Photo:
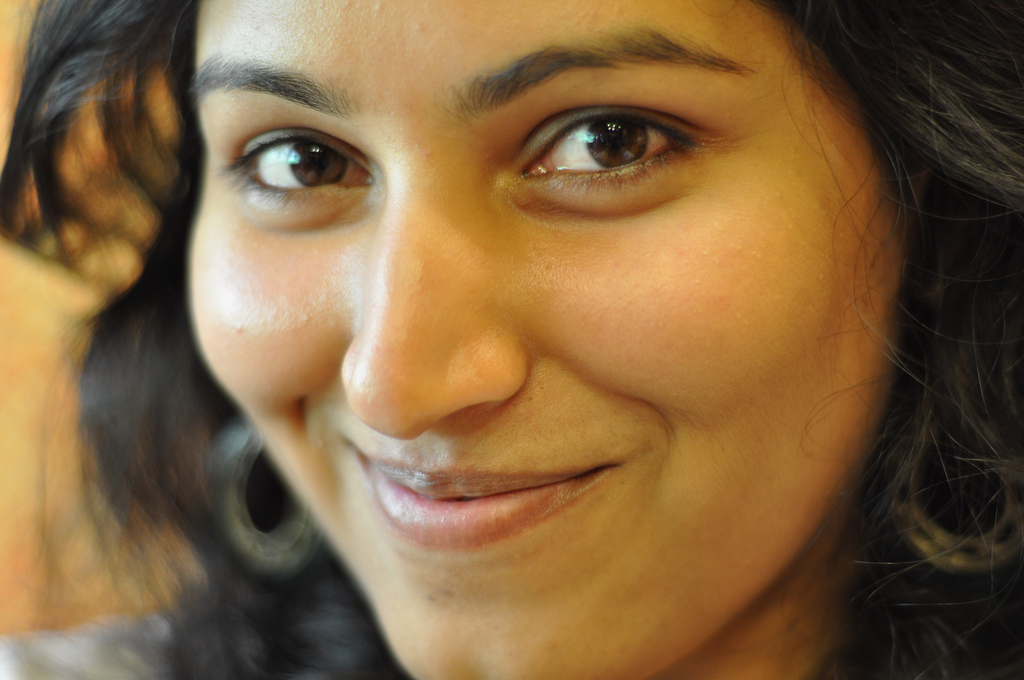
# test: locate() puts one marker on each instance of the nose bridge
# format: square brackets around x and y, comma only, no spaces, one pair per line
[431,339]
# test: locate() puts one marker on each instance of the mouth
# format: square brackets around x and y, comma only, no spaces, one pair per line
[448,510]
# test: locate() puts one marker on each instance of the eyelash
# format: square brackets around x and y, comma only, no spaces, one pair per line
[681,140]
[619,176]
[243,170]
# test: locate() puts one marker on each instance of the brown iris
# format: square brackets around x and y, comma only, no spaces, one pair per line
[614,143]
[314,164]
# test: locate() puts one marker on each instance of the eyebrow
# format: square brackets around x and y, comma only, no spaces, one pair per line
[480,94]
[642,46]
[221,73]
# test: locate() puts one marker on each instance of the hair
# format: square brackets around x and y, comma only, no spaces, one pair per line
[940,88]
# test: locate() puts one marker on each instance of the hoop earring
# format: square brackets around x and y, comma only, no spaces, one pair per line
[271,533]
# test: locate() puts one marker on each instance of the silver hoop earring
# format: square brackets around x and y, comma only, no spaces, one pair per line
[273,535]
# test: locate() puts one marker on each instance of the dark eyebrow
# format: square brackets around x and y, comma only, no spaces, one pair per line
[492,90]
[220,73]
[481,94]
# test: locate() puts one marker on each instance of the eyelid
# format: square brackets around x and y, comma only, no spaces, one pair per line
[242,168]
[548,134]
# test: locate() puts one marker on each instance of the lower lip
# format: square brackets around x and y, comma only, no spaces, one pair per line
[442,524]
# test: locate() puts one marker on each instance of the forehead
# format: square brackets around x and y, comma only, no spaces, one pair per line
[437,43]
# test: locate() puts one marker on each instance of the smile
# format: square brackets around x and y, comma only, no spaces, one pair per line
[460,511]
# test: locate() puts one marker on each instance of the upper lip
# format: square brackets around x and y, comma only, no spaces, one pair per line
[465,484]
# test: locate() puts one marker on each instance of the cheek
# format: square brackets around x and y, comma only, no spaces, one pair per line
[706,314]
[269,311]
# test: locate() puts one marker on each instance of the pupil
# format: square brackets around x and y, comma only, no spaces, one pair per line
[313,165]
[614,143]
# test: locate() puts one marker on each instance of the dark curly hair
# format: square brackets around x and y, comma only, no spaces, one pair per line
[940,84]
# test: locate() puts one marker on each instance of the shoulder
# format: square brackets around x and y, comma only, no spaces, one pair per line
[117,649]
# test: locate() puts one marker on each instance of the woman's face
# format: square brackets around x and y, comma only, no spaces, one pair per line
[567,320]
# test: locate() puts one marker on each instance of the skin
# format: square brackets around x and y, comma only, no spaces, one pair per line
[710,324]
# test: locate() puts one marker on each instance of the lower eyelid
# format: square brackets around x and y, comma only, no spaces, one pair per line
[618,176]
[671,142]
[252,149]
[668,143]
[243,172]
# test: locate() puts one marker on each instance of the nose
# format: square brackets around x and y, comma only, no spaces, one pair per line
[433,337]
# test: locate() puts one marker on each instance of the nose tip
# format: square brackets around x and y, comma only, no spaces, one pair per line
[436,331]
[402,392]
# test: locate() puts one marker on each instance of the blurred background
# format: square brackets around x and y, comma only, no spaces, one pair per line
[54,570]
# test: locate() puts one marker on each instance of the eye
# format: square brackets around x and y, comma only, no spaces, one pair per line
[299,164]
[296,162]
[606,143]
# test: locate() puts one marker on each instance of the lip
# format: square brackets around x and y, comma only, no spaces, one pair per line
[461,511]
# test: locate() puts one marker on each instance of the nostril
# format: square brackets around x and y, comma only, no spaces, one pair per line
[402,386]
